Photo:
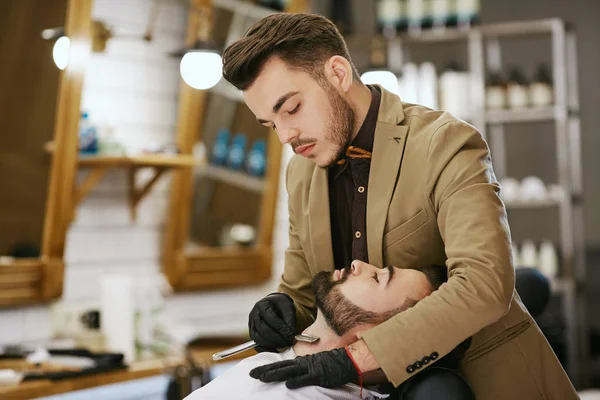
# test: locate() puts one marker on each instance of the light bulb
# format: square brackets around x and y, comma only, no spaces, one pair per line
[201,69]
[60,52]
[384,78]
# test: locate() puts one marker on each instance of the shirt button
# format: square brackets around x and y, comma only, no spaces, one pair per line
[358,234]
[361,189]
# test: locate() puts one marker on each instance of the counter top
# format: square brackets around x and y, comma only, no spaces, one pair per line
[201,354]
[41,388]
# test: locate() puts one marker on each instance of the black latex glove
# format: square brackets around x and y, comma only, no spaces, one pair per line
[328,369]
[272,322]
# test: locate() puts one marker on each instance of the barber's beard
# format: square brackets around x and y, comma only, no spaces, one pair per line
[340,313]
[341,124]
[339,128]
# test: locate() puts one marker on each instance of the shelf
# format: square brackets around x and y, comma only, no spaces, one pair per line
[502,29]
[101,164]
[245,8]
[226,89]
[506,116]
[532,204]
[235,178]
[140,161]
[521,28]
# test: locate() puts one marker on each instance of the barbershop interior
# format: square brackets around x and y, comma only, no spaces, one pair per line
[144,211]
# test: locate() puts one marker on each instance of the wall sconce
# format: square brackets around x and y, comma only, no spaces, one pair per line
[378,73]
[62,47]
[201,65]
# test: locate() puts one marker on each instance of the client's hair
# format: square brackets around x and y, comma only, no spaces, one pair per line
[436,275]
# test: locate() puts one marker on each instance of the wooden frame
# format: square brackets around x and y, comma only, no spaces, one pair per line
[215,268]
[28,281]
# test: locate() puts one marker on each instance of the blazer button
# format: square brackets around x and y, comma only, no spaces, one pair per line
[410,369]
[418,364]
[434,355]
[425,360]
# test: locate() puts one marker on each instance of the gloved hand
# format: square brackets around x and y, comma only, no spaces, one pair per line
[272,322]
[328,369]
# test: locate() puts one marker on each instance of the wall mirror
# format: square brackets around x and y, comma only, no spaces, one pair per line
[38,103]
[222,212]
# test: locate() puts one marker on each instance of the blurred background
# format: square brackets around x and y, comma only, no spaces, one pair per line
[143,210]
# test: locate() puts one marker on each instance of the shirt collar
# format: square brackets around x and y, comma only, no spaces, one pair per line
[366,134]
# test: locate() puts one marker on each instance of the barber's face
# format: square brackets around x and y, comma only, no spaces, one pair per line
[313,117]
[360,294]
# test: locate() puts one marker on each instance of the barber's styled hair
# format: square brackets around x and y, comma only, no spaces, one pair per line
[302,41]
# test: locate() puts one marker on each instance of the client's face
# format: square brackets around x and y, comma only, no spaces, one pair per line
[363,294]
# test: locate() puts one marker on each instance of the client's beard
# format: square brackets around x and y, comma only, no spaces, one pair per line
[339,312]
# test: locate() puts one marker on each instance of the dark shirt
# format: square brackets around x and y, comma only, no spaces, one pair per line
[348,187]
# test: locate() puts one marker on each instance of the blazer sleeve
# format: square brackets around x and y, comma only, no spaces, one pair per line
[462,190]
[296,277]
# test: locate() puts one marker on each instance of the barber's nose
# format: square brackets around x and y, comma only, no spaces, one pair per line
[286,135]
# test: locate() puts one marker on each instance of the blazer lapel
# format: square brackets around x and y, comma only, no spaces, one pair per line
[319,222]
[388,149]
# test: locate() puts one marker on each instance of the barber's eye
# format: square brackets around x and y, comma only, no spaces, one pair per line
[295,110]
[375,277]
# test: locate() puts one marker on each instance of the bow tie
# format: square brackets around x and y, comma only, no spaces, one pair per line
[354,152]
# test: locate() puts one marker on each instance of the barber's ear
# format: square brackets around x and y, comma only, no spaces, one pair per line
[339,72]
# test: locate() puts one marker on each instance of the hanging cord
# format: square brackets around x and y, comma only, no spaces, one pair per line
[360,374]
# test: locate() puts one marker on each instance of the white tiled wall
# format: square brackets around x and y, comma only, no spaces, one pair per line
[133,87]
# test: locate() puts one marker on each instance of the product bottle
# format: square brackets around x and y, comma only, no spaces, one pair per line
[88,137]
[495,91]
[540,90]
[220,148]
[454,92]
[441,13]
[391,17]
[237,150]
[529,255]
[428,93]
[548,259]
[517,89]
[257,160]
[408,84]
[415,12]
[467,12]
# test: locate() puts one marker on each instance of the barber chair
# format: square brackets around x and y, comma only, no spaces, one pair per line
[442,381]
[534,289]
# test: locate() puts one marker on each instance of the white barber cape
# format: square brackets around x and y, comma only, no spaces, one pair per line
[236,383]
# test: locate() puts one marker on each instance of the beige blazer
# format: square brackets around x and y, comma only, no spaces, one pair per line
[432,198]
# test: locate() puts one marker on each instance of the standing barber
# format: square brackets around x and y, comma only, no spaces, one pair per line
[388,183]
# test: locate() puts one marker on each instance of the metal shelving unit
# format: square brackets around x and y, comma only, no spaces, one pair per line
[483,41]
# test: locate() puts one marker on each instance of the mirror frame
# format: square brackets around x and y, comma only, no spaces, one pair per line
[214,268]
[39,280]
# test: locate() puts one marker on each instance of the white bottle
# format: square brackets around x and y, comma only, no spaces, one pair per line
[428,86]
[454,92]
[529,255]
[516,256]
[408,84]
[548,259]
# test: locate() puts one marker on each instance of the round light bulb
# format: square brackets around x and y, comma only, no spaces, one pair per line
[388,80]
[201,69]
[60,52]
